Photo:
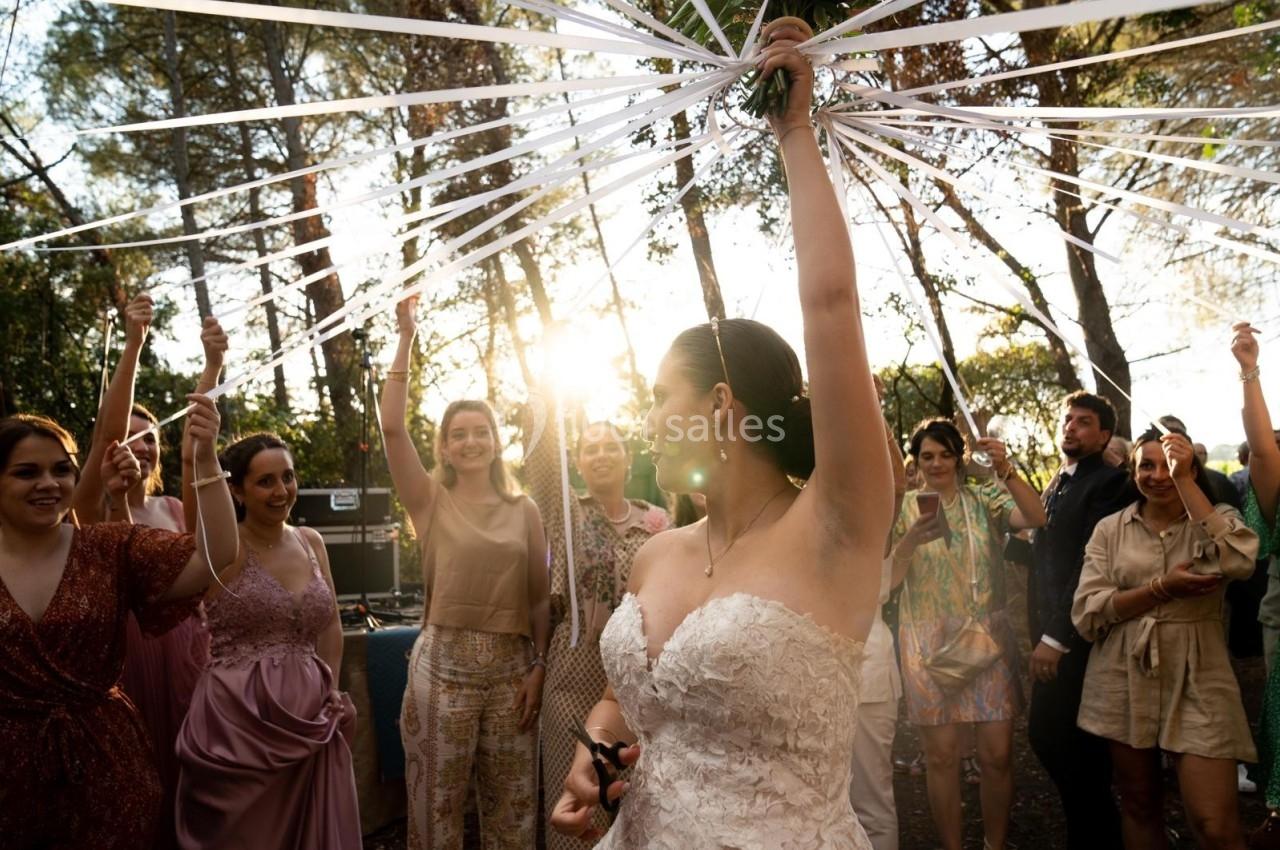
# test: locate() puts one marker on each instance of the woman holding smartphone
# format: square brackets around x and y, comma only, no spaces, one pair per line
[948,548]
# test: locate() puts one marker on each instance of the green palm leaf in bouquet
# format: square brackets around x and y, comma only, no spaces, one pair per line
[735,17]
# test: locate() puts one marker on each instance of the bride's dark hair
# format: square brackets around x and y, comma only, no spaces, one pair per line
[764,374]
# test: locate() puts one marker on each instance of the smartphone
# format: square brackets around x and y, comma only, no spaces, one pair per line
[929,503]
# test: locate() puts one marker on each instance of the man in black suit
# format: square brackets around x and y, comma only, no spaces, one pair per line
[1084,491]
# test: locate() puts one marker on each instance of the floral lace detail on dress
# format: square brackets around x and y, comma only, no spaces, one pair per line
[257,618]
[746,720]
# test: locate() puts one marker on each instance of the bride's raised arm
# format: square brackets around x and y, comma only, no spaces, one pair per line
[852,479]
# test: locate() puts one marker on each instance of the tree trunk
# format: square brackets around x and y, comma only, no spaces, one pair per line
[182,166]
[1101,344]
[281,390]
[946,399]
[508,301]
[500,138]
[317,379]
[325,293]
[1062,364]
[691,203]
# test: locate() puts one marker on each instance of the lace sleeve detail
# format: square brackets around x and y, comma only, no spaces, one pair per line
[150,561]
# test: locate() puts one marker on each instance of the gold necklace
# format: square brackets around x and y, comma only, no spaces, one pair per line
[262,543]
[624,518]
[711,560]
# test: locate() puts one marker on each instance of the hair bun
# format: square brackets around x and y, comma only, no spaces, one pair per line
[796,445]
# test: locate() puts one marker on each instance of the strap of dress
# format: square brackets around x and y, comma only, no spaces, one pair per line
[315,563]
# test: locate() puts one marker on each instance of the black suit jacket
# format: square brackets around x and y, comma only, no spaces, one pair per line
[1074,505]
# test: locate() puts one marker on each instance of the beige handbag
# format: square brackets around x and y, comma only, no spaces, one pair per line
[972,648]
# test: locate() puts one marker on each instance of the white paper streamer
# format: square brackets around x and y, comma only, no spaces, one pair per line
[405,26]
[527,146]
[714,25]
[968,155]
[931,333]
[658,26]
[1091,60]
[566,497]
[878,12]
[1194,213]
[664,79]
[995,272]
[381,101]
[562,13]
[1003,127]
[1047,17]
[391,288]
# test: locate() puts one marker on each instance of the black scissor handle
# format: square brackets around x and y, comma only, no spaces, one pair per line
[605,778]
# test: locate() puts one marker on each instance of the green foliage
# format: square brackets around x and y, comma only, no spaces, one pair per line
[1015,382]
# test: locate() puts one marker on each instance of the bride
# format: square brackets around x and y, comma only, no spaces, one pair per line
[733,660]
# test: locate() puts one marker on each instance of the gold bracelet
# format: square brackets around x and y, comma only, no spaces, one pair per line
[1250,376]
[401,375]
[615,738]
[1008,474]
[200,482]
[786,132]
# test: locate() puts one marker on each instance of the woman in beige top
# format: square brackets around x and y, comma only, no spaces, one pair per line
[1150,598]
[476,671]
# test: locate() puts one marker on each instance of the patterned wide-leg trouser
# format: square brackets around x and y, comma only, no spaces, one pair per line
[458,720]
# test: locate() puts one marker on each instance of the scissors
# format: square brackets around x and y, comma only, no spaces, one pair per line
[611,752]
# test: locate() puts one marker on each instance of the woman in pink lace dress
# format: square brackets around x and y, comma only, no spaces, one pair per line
[264,754]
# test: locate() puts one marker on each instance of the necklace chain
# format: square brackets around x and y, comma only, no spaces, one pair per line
[626,516]
[711,559]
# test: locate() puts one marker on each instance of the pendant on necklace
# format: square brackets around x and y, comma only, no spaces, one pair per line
[708,570]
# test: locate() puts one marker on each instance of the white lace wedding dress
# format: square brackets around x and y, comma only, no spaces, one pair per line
[746,723]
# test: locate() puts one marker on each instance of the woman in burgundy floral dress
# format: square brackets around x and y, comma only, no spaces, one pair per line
[78,768]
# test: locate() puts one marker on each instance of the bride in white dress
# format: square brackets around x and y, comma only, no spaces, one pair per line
[733,660]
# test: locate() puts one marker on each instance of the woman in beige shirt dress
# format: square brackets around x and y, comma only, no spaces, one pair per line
[1150,598]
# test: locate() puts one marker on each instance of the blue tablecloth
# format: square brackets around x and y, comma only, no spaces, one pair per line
[388,663]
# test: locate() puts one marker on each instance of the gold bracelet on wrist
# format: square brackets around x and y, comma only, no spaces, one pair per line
[1250,376]
[401,375]
[783,135]
[200,482]
[1007,474]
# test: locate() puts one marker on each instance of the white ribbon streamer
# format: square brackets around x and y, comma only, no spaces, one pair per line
[391,288]
[931,333]
[882,10]
[663,79]
[968,155]
[1002,127]
[404,26]
[995,272]
[1156,203]
[528,146]
[1046,17]
[381,101]
[565,497]
[1091,60]
[561,13]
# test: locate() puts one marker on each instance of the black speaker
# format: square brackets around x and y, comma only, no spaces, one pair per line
[373,570]
[340,506]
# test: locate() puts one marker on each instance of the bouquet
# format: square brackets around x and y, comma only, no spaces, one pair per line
[766,96]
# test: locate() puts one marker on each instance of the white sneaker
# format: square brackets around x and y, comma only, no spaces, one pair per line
[1243,782]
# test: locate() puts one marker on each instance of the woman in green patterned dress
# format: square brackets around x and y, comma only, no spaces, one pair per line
[948,547]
